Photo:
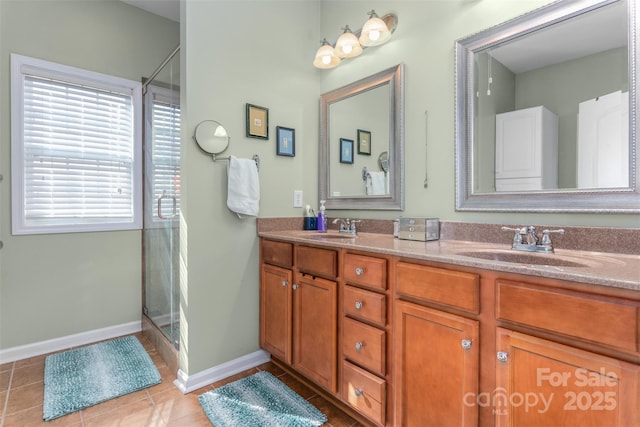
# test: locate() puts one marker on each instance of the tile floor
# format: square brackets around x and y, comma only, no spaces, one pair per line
[22,391]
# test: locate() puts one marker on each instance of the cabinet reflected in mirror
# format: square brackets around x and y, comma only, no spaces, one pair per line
[542,111]
[361,123]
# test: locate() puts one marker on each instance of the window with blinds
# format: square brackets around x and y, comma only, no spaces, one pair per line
[75,149]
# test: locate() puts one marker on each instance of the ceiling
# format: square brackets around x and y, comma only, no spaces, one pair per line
[169,9]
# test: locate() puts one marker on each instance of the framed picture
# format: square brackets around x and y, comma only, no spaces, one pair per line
[346,150]
[364,142]
[257,122]
[286,141]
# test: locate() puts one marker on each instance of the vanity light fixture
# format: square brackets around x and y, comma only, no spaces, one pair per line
[376,31]
[326,56]
[348,45]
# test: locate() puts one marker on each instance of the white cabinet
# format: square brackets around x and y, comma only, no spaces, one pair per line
[527,150]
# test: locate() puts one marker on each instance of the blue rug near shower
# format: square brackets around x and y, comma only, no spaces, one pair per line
[259,400]
[83,377]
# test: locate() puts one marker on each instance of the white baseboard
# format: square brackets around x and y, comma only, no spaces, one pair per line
[188,383]
[63,343]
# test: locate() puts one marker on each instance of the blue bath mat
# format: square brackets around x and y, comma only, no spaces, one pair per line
[259,400]
[77,379]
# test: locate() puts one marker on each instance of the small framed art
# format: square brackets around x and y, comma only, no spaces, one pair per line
[346,150]
[364,142]
[257,122]
[286,141]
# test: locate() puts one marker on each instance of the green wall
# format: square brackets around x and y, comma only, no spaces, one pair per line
[56,285]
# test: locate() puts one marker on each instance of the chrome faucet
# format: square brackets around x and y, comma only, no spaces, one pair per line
[347,226]
[527,239]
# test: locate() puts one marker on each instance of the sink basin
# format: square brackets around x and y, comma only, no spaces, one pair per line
[526,258]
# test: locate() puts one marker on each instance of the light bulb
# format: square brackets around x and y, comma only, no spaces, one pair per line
[326,60]
[374,35]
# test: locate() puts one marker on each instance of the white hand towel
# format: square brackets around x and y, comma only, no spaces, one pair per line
[243,192]
[376,184]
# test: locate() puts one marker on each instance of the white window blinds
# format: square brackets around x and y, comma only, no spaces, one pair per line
[166,153]
[75,144]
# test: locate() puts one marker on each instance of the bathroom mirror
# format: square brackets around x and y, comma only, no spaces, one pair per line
[211,137]
[546,111]
[358,122]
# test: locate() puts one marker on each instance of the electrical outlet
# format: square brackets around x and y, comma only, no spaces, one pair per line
[297,198]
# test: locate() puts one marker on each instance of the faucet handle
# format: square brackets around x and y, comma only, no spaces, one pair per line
[546,239]
[519,232]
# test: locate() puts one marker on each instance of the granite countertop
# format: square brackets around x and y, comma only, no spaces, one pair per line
[598,268]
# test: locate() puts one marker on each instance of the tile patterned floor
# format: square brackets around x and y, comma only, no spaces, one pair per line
[22,392]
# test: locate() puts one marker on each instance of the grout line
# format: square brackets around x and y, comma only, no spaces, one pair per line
[6,398]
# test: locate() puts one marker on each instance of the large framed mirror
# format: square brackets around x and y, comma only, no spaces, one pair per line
[547,114]
[360,122]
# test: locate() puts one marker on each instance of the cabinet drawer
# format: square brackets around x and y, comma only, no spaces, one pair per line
[364,345]
[365,270]
[323,262]
[365,305]
[448,287]
[608,321]
[364,391]
[278,253]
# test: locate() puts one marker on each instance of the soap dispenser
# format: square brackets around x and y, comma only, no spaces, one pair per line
[322,218]
[310,222]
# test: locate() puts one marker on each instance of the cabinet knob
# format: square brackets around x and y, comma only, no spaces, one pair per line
[285,283]
[358,305]
[359,392]
[294,286]
[503,356]
[359,345]
[466,344]
[359,271]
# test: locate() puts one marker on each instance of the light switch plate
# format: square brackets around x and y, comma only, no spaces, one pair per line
[297,198]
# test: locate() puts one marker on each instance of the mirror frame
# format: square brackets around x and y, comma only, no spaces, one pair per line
[394,77]
[624,200]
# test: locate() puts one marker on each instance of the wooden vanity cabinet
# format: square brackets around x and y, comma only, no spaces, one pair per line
[298,309]
[407,342]
[436,353]
[566,356]
[276,304]
[544,383]
[364,332]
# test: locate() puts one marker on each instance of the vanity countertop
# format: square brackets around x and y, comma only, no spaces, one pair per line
[598,268]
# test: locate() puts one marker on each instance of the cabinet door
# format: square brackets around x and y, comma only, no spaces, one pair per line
[436,367]
[275,311]
[543,383]
[315,330]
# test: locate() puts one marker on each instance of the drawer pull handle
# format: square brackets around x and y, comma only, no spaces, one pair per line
[359,271]
[466,344]
[359,392]
[359,345]
[503,356]
[284,283]
[358,305]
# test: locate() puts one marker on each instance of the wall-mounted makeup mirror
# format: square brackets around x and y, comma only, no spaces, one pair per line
[211,137]
[359,122]
[546,111]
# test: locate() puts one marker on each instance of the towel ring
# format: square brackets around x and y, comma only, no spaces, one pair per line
[211,137]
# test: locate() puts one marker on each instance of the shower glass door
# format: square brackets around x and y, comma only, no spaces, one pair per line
[161,232]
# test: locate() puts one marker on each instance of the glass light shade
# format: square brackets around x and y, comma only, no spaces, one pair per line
[348,45]
[374,32]
[326,56]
